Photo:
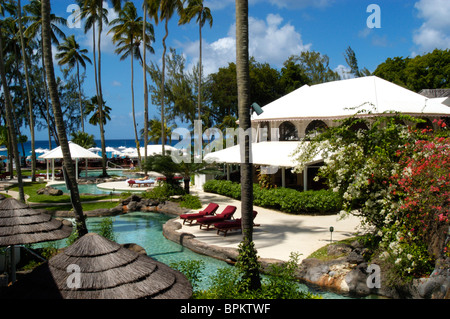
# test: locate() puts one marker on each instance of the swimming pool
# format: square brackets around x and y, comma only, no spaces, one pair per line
[84,188]
[145,229]
[110,171]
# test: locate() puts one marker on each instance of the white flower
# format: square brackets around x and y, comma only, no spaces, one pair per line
[398,260]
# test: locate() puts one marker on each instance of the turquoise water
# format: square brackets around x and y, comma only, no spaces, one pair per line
[84,188]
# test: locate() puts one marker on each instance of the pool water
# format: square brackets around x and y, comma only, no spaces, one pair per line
[84,188]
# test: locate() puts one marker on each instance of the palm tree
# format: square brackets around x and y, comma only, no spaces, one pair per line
[195,8]
[68,167]
[243,83]
[163,10]
[154,133]
[144,70]
[30,104]
[94,107]
[71,54]
[34,21]
[8,7]
[94,13]
[128,33]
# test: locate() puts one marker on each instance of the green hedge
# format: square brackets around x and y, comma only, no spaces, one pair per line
[283,199]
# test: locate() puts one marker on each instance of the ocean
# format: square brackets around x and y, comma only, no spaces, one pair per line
[43,145]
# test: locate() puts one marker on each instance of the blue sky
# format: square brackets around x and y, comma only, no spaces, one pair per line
[278,29]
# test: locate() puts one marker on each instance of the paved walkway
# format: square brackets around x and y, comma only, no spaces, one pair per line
[279,234]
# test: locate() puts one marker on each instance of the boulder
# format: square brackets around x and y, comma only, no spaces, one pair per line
[48,190]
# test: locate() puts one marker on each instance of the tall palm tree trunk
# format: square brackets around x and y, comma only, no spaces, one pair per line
[30,105]
[200,75]
[163,131]
[79,97]
[100,97]
[11,126]
[243,84]
[136,136]
[68,163]
[144,68]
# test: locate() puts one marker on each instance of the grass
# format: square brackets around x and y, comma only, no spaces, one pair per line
[31,188]
[322,253]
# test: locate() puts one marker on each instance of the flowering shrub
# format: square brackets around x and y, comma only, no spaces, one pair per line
[422,187]
[396,179]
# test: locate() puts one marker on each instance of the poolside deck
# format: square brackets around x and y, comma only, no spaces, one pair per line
[279,234]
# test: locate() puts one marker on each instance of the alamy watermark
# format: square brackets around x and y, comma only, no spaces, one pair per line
[374,278]
[73,281]
[373,20]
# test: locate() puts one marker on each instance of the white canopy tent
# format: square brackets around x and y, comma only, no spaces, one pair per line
[341,99]
[76,152]
[270,155]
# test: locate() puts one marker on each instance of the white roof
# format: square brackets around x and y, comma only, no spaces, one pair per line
[339,99]
[263,153]
[76,151]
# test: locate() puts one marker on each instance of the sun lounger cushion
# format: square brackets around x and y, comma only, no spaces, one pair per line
[226,225]
[209,210]
[226,214]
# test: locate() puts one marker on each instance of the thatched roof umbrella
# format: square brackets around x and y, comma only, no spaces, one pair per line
[19,225]
[106,270]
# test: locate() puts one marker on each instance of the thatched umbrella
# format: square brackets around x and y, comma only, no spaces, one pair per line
[19,225]
[103,270]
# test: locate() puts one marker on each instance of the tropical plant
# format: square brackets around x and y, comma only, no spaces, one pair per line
[196,8]
[83,139]
[154,133]
[69,53]
[396,179]
[127,35]
[94,107]
[166,165]
[163,10]
[68,164]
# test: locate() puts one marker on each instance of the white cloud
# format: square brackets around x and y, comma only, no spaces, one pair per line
[435,30]
[271,41]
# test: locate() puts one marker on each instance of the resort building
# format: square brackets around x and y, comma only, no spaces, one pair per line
[283,124]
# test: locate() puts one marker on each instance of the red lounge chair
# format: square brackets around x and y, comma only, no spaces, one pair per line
[226,214]
[209,210]
[227,225]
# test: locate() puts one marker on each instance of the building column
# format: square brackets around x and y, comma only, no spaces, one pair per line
[305,178]
[283,177]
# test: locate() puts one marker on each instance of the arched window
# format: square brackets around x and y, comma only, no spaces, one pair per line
[288,132]
[359,125]
[264,132]
[316,125]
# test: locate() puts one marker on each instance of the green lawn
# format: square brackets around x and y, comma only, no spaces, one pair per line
[30,189]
